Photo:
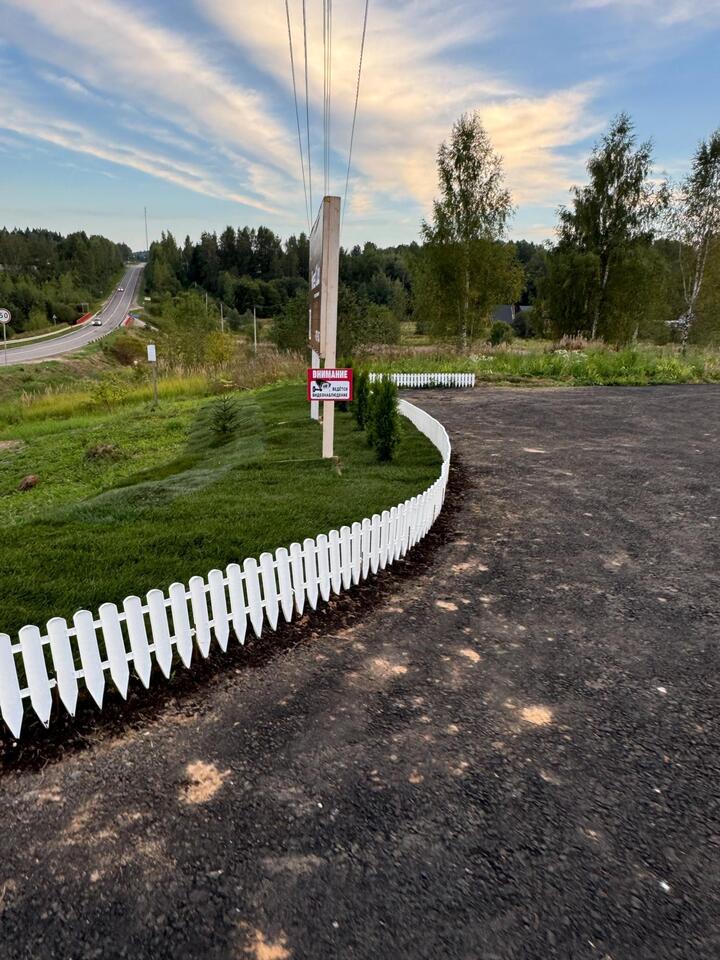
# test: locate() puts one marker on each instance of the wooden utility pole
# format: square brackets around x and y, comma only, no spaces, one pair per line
[324,268]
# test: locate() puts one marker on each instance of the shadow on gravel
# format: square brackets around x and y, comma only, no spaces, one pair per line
[186,689]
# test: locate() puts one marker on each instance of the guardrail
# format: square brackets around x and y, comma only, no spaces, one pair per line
[429,380]
[101,649]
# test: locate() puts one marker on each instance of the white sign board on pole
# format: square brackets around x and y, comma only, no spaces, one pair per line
[5,318]
[333,384]
[152,353]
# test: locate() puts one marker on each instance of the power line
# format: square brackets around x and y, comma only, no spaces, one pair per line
[329,108]
[307,111]
[357,97]
[297,112]
[325,12]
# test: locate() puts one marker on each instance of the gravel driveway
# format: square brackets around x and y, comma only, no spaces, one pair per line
[513,755]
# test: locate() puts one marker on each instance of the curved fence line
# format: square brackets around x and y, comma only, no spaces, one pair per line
[103,648]
[420,380]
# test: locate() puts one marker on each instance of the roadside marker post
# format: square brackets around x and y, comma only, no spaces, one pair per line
[152,360]
[5,318]
[324,269]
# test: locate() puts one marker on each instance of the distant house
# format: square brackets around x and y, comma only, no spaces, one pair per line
[504,313]
[508,312]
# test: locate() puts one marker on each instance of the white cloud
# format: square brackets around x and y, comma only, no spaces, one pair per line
[667,13]
[31,122]
[415,83]
[114,48]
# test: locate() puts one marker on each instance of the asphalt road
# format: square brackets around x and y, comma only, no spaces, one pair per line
[113,313]
[514,755]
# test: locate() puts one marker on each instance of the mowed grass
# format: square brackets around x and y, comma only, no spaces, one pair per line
[169,507]
[528,363]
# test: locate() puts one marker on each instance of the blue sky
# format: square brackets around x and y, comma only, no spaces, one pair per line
[186,105]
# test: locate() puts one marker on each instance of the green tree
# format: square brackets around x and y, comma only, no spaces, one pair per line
[383,420]
[464,267]
[695,225]
[615,210]
[290,327]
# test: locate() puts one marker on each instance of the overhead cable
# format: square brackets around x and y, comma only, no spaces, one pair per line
[297,112]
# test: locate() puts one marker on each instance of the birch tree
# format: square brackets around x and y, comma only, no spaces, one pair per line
[469,219]
[695,225]
[616,208]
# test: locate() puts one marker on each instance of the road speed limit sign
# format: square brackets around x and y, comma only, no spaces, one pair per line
[5,315]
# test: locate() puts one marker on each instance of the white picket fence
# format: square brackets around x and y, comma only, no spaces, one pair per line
[98,649]
[420,380]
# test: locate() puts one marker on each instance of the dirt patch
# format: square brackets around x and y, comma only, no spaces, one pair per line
[260,947]
[447,605]
[470,655]
[204,781]
[537,716]
[11,446]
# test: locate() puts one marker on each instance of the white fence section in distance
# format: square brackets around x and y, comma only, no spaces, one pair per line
[429,380]
[102,648]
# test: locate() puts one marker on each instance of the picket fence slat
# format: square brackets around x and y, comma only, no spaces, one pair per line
[115,647]
[323,566]
[219,608]
[311,572]
[282,560]
[298,576]
[157,611]
[63,663]
[11,705]
[236,593]
[269,589]
[254,598]
[116,642]
[181,623]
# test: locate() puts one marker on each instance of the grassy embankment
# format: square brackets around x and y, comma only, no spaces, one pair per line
[135,498]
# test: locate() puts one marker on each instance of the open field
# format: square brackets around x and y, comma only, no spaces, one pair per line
[537,362]
[135,498]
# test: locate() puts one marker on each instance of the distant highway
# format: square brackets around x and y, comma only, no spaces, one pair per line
[112,315]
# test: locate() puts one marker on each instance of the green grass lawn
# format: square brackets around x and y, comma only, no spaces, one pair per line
[528,362]
[165,504]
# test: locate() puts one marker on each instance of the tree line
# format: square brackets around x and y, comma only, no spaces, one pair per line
[633,258]
[44,274]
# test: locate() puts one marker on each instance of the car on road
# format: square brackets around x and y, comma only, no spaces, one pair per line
[97,322]
[121,289]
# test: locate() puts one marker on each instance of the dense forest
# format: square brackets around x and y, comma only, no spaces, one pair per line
[43,274]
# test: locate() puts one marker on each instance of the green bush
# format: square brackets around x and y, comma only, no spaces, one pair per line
[383,422]
[125,347]
[362,399]
[500,333]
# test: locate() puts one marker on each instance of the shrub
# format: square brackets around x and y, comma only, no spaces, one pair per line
[125,347]
[383,422]
[500,333]
[109,392]
[362,399]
